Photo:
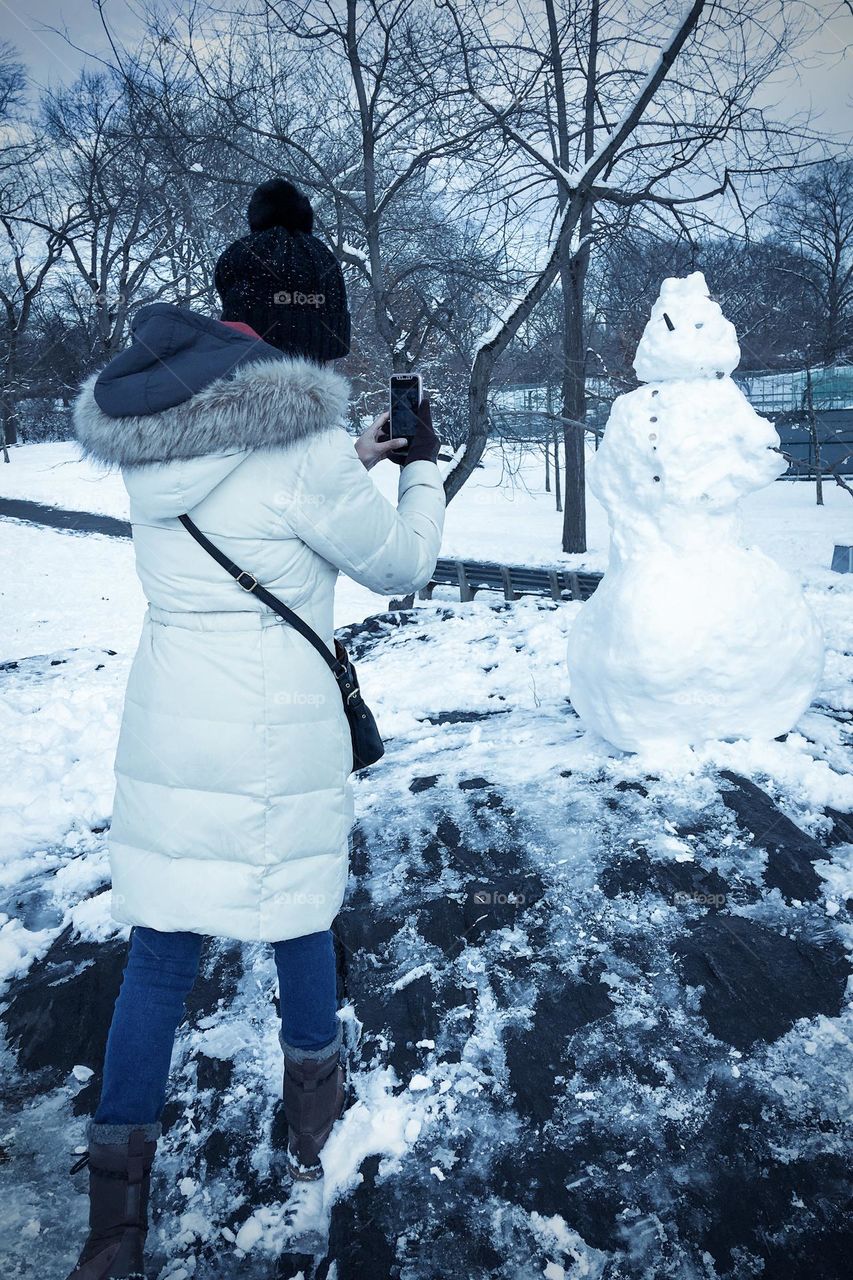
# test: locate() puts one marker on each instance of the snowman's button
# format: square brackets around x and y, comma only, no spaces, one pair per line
[654,393]
[652,419]
[656,479]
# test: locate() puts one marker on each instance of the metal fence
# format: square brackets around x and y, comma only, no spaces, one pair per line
[527,413]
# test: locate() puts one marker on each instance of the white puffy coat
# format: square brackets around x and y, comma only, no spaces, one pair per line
[233,805]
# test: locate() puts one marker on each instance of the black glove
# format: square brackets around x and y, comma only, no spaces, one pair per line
[424,444]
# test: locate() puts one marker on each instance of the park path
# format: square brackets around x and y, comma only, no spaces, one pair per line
[61,518]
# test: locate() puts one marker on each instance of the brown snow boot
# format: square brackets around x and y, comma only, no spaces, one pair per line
[314,1094]
[119,1157]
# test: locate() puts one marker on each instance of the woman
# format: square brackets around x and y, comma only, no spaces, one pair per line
[233,805]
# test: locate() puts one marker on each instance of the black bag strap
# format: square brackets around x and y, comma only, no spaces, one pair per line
[249,583]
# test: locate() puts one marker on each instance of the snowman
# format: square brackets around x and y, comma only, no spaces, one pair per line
[692,635]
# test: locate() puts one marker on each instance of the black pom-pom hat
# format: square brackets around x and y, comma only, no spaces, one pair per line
[282,280]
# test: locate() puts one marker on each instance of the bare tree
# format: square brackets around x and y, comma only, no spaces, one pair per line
[362,104]
[815,217]
[111,179]
[594,133]
[26,259]
[27,254]
[13,83]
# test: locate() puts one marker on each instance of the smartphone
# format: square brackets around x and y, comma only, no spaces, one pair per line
[405,403]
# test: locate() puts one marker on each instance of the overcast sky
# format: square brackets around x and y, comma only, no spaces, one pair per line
[823,80]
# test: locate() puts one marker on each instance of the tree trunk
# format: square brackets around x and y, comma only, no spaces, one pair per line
[9,421]
[549,409]
[557,488]
[9,400]
[574,406]
[573,269]
[813,432]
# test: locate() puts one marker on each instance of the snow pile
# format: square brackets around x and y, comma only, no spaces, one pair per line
[693,635]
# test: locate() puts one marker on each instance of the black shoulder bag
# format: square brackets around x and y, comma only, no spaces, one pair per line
[367,745]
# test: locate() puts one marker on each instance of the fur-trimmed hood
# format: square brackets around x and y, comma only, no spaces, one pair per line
[244,396]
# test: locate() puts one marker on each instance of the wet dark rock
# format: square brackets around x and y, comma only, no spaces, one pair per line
[473,784]
[220,969]
[790,851]
[59,1014]
[213,1073]
[404,1016]
[360,638]
[173,1112]
[754,1202]
[357,1241]
[564,1178]
[688,882]
[423,784]
[537,1056]
[842,827]
[441,922]
[359,932]
[448,832]
[758,983]
[359,859]
[491,801]
[462,717]
[625,785]
[499,902]
[221,1149]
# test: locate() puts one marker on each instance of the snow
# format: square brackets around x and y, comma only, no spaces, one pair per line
[502,514]
[532,796]
[702,342]
[694,635]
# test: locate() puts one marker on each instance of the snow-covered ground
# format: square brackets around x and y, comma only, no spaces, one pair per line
[603,999]
[502,514]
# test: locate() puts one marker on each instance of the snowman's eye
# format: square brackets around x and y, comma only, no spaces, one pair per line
[699,324]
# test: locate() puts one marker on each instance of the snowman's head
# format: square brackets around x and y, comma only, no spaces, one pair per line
[687,336]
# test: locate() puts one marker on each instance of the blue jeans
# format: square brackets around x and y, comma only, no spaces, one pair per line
[158,976]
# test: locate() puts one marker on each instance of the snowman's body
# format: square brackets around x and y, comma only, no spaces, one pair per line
[692,635]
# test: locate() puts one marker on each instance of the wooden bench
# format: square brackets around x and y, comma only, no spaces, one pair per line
[514,580]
